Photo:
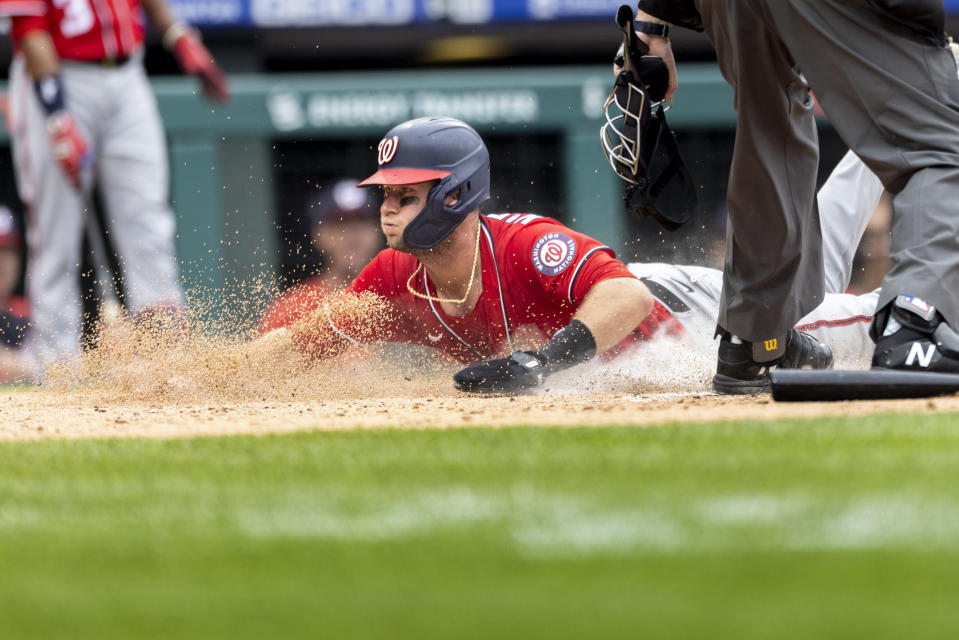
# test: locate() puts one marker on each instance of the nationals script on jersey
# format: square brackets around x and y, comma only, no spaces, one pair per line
[84,30]
[535,273]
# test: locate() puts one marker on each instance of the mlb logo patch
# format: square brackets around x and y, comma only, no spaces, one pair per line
[553,253]
[918,306]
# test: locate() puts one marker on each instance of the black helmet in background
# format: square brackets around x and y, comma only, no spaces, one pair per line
[435,148]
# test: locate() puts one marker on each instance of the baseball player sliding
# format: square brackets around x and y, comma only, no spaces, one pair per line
[470,285]
[83,114]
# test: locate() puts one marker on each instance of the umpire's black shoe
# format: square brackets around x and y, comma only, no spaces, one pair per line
[738,373]
[911,335]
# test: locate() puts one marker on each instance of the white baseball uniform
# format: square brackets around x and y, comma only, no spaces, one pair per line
[691,294]
[846,203]
[108,94]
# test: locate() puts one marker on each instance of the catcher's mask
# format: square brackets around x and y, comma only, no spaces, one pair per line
[638,143]
[435,148]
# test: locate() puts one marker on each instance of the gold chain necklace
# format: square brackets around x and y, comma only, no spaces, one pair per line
[469,287]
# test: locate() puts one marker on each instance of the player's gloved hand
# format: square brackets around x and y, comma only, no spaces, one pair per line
[524,370]
[68,145]
[519,372]
[195,59]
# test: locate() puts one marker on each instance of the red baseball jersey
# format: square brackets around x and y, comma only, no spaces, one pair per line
[535,273]
[84,30]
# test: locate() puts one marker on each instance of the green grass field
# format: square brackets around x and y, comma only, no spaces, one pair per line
[801,529]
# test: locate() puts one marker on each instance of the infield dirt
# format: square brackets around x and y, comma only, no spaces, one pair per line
[163,384]
[81,414]
[427,404]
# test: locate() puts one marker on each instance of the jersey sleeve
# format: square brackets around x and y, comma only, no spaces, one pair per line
[22,25]
[563,264]
[17,8]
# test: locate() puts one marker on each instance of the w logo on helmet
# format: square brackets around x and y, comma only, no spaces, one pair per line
[387,149]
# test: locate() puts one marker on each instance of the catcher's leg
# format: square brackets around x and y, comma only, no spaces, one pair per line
[899,117]
[842,321]
[847,202]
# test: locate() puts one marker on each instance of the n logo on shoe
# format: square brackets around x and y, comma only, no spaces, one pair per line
[916,353]
[771,345]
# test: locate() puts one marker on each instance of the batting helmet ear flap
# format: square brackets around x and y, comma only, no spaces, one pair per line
[436,221]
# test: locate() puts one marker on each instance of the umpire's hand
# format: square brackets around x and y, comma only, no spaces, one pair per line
[661,48]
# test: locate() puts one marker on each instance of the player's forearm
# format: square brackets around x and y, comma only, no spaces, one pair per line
[40,55]
[613,309]
[186,44]
[160,15]
[610,311]
[352,319]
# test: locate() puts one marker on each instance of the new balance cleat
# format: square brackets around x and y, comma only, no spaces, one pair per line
[915,337]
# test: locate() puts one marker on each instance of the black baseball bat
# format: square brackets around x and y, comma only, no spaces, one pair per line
[810,385]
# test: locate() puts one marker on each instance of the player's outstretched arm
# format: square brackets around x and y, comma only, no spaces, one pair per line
[610,311]
[613,309]
[185,43]
[341,322]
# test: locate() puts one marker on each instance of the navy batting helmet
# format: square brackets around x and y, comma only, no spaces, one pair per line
[435,148]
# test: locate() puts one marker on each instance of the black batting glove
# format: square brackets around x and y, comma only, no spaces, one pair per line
[525,370]
[521,371]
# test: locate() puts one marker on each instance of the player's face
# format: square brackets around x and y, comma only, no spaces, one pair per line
[401,203]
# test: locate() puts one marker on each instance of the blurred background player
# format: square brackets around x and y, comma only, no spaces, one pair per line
[14,309]
[83,116]
[343,227]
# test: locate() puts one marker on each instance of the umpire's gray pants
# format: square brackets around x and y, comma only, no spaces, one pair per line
[892,95]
